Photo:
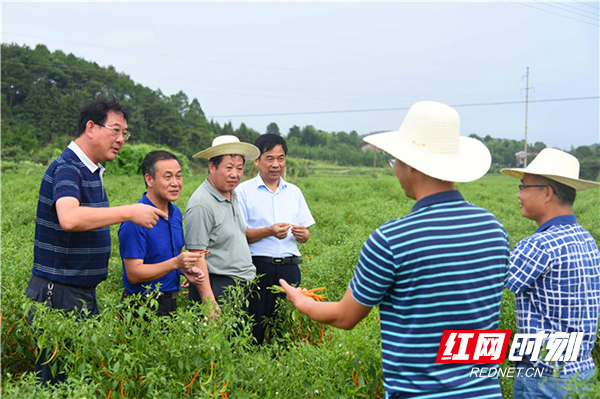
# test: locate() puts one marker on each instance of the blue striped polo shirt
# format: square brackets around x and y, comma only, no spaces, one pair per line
[73,258]
[441,267]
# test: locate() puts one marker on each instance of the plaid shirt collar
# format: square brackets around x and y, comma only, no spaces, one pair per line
[566,219]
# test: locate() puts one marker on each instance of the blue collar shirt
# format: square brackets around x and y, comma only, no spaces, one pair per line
[162,242]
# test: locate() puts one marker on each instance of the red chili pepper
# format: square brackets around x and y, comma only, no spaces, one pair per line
[104,369]
[191,382]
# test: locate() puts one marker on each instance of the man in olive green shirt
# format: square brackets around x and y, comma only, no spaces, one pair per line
[213,220]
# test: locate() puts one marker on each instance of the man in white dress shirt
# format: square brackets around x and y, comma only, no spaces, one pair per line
[277,218]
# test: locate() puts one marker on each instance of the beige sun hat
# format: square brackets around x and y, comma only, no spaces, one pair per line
[556,165]
[229,145]
[429,140]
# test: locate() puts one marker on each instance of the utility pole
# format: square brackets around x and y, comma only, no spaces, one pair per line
[526,108]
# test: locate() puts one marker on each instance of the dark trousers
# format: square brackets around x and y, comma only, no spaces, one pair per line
[264,306]
[59,296]
[218,284]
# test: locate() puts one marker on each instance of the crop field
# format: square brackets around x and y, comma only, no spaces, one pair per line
[116,355]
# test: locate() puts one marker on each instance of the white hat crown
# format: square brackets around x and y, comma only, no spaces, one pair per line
[551,161]
[226,139]
[228,144]
[429,140]
[434,127]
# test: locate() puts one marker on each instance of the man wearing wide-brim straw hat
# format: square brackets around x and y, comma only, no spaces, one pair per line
[213,220]
[554,273]
[441,267]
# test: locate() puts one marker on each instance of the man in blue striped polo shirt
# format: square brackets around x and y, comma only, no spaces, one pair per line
[441,267]
[72,235]
[555,273]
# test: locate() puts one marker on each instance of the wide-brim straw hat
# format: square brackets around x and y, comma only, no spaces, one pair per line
[229,145]
[429,140]
[556,165]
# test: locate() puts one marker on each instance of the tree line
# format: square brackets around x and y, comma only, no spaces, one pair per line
[42,92]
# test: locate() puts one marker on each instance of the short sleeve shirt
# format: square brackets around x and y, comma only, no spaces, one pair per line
[555,275]
[76,258]
[162,242]
[262,207]
[215,223]
[442,267]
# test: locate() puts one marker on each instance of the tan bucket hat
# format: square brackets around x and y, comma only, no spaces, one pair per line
[229,145]
[429,140]
[556,165]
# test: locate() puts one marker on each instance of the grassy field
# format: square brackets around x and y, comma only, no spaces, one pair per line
[119,356]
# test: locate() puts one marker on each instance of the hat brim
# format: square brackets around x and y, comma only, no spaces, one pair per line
[249,151]
[577,184]
[469,163]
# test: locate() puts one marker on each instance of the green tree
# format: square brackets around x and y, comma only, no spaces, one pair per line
[246,134]
[273,128]
[198,133]
[294,132]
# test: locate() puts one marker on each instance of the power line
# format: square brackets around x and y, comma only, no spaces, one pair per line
[188,58]
[400,108]
[205,86]
[565,7]
[591,4]
[349,110]
[555,13]
[575,6]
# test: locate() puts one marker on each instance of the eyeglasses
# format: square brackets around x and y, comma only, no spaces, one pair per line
[117,132]
[392,162]
[522,186]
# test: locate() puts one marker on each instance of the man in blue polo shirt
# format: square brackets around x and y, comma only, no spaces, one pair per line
[277,218]
[441,267]
[72,235]
[554,273]
[153,258]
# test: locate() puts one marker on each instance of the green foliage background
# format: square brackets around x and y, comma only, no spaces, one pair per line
[116,353]
[190,354]
[42,93]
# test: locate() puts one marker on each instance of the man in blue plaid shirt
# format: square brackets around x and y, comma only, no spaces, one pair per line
[554,273]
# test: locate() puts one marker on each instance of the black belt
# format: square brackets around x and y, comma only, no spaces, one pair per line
[288,260]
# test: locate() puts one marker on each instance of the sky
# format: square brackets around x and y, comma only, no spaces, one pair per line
[346,66]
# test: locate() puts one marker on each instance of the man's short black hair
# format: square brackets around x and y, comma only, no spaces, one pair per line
[565,195]
[97,111]
[152,158]
[268,141]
